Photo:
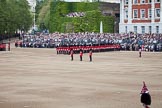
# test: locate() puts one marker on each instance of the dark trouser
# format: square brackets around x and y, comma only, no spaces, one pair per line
[71,57]
[80,58]
[9,47]
[139,54]
[90,58]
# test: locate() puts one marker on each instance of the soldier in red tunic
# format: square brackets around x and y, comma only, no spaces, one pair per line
[145,96]
[90,55]
[81,54]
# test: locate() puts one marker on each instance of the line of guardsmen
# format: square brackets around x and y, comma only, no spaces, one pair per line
[81,55]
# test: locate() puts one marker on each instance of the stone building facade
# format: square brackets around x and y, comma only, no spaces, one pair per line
[140,16]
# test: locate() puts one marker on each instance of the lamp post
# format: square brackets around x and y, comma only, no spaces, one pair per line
[115,27]
[22,34]
[2,37]
[9,41]
[8,33]
[5,32]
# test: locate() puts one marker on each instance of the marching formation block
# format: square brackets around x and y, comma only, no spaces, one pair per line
[76,49]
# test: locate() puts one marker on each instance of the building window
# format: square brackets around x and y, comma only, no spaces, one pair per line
[135,13]
[149,13]
[135,1]
[126,2]
[142,1]
[135,29]
[126,13]
[142,13]
[126,29]
[143,29]
[157,29]
[157,0]
[150,31]
[157,12]
[149,1]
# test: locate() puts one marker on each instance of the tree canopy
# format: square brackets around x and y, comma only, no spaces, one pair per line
[14,15]
[43,14]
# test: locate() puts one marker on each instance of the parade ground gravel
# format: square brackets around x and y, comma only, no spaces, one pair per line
[39,78]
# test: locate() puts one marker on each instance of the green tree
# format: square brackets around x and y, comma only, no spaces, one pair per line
[15,15]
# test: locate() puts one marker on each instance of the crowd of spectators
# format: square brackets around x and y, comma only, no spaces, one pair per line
[76,14]
[148,42]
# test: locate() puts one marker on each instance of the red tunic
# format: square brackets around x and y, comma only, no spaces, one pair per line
[81,53]
[90,53]
[71,53]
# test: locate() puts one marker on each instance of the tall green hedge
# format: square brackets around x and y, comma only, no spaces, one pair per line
[90,22]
